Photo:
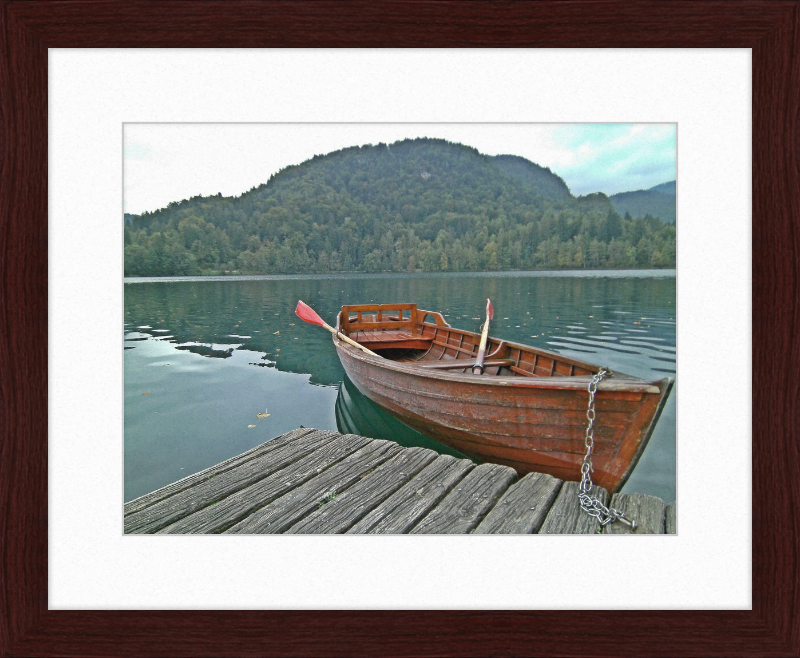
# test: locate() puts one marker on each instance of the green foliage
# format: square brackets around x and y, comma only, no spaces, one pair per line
[422,204]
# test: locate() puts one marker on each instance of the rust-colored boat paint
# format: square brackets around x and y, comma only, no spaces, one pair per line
[528,409]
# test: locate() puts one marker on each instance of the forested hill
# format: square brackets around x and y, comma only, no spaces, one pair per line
[658,201]
[540,179]
[416,205]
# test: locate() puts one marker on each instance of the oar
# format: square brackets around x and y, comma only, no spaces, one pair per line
[484,338]
[307,314]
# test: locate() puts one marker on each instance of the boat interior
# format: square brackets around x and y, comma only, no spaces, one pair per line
[406,334]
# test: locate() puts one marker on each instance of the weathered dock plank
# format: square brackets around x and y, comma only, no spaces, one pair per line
[647,511]
[671,519]
[229,511]
[401,511]
[523,508]
[153,497]
[321,482]
[566,516]
[297,503]
[467,503]
[355,503]
[217,487]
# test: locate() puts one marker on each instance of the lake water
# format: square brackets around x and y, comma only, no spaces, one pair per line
[205,356]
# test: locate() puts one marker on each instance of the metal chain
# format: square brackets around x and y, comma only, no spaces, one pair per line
[591,504]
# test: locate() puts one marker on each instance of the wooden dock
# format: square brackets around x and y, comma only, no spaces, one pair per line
[321,482]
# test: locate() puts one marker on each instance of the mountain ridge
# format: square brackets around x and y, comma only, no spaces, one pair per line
[659,201]
[413,205]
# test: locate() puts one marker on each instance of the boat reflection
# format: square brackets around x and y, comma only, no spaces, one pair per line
[209,351]
[357,414]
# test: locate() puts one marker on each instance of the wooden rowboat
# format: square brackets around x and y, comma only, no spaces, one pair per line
[528,409]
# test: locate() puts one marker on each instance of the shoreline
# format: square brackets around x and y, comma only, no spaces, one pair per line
[596,273]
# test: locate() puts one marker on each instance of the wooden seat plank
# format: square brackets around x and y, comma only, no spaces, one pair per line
[391,339]
[457,348]
[387,335]
[455,364]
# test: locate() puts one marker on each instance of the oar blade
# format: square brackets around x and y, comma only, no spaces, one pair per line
[489,309]
[307,314]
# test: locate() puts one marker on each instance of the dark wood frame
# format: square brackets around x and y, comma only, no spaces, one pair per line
[770,28]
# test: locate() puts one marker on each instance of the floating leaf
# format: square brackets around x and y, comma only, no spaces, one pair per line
[147,393]
[250,427]
[263,415]
[276,333]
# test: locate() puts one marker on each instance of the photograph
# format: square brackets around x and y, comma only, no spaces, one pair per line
[402,278]
[377,328]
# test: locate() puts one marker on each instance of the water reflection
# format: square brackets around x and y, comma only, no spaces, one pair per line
[237,337]
[206,350]
[357,414]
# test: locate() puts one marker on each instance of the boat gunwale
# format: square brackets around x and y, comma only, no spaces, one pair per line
[618,383]
[507,343]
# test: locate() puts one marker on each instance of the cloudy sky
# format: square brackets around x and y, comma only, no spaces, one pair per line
[171,162]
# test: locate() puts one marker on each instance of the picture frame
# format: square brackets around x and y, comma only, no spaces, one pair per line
[771,29]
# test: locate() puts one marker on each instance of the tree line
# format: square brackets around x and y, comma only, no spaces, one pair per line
[416,205]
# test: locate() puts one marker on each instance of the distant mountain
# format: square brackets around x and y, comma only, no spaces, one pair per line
[415,205]
[538,178]
[666,188]
[658,201]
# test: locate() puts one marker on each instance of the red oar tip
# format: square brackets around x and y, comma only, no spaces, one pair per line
[489,309]
[307,314]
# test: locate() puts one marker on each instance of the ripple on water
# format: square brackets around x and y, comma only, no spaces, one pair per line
[207,404]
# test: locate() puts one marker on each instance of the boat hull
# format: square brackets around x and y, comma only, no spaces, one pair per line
[533,424]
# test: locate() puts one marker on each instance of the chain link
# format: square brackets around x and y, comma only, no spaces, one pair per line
[592,504]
